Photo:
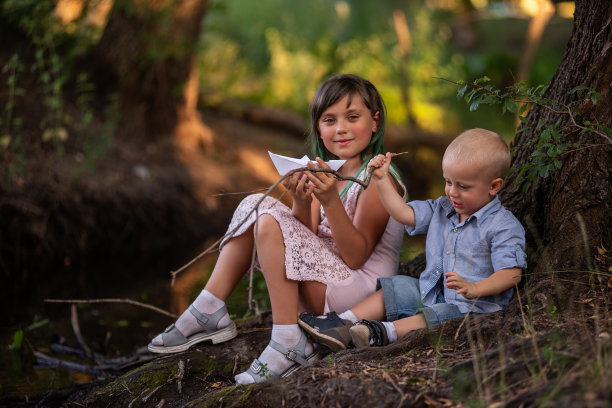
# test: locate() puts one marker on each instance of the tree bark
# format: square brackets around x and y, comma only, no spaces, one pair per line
[568,214]
[149,47]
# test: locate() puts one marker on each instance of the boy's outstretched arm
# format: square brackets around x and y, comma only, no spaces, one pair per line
[495,284]
[392,201]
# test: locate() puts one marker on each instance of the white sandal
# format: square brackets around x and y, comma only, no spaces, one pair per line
[174,341]
[297,354]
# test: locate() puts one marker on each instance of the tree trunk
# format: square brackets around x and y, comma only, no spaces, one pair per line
[568,214]
[149,48]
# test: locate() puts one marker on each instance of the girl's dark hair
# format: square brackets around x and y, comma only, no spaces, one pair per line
[330,92]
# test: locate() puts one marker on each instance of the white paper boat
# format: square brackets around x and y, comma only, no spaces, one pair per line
[285,164]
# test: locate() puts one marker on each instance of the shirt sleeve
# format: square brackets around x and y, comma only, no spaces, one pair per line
[508,244]
[423,213]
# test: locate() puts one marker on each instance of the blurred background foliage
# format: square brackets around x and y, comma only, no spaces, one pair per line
[276,52]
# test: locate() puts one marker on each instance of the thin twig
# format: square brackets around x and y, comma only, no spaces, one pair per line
[74,319]
[130,301]
[387,377]
[259,190]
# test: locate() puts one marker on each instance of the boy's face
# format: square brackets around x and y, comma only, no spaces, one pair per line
[468,187]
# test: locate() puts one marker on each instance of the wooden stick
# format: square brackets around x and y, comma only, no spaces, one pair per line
[74,318]
[338,176]
[130,301]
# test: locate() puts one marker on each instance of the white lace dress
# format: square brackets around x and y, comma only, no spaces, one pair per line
[314,257]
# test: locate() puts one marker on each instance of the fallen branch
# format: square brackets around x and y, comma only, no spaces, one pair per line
[48,361]
[74,319]
[130,301]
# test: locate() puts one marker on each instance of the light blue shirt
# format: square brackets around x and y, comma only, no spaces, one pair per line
[489,240]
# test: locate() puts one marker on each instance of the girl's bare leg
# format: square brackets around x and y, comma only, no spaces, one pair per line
[312,294]
[283,294]
[231,265]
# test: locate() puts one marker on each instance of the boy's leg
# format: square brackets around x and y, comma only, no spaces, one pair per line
[332,330]
[401,301]
[408,324]
[371,308]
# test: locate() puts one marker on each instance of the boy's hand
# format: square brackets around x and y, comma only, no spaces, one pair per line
[381,165]
[467,289]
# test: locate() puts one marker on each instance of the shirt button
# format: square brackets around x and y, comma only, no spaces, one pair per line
[447,252]
[423,292]
[454,229]
[437,272]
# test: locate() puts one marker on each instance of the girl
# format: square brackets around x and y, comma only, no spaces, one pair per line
[323,254]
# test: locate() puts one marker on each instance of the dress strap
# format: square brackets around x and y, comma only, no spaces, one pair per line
[350,183]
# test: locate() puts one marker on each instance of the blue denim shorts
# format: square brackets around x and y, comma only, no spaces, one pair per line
[402,298]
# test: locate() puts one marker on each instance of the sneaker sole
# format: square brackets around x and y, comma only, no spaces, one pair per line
[220,336]
[330,342]
[360,335]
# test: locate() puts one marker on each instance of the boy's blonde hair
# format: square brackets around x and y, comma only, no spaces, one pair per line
[482,148]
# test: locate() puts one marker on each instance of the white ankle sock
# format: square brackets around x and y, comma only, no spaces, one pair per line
[187,324]
[391,332]
[348,315]
[287,335]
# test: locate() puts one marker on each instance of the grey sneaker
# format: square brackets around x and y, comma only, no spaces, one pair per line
[330,331]
[368,333]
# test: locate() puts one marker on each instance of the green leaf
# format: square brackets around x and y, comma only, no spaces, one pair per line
[526,186]
[510,105]
[461,91]
[474,105]
[578,88]
[595,97]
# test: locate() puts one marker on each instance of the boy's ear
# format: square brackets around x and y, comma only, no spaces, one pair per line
[496,185]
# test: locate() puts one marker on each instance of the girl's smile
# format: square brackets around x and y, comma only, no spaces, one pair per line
[343,142]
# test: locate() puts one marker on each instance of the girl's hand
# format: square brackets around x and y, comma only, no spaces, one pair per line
[299,188]
[467,289]
[323,184]
[380,164]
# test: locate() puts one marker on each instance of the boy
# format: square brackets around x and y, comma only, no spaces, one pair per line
[474,251]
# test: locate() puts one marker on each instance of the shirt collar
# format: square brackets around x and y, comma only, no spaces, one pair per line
[491,207]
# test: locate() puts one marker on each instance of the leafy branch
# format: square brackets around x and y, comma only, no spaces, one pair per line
[550,144]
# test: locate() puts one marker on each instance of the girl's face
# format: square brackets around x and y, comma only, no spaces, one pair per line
[346,129]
